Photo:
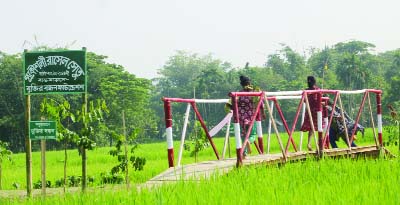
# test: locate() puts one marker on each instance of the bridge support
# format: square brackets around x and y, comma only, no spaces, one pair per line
[236,125]
[379,113]
[168,131]
[260,136]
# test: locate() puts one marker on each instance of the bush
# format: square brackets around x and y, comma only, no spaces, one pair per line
[74,181]
[38,184]
[109,178]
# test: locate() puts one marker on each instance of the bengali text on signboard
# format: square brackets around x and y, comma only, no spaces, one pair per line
[55,72]
[42,130]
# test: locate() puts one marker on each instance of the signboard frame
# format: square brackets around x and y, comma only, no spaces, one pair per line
[66,69]
[52,125]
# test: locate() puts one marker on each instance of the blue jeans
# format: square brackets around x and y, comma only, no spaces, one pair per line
[332,137]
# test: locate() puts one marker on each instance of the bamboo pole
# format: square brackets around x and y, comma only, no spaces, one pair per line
[28,147]
[269,128]
[344,122]
[311,123]
[126,150]
[226,141]
[303,113]
[372,121]
[276,130]
[84,156]
[183,134]
[83,149]
[43,160]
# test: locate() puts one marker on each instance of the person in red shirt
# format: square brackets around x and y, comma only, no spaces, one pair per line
[313,101]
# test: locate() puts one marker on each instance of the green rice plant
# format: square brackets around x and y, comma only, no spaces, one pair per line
[328,181]
[99,160]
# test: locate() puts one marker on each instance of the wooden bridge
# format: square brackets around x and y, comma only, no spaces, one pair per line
[197,171]
[265,102]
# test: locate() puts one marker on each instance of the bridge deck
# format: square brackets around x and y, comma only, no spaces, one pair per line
[206,169]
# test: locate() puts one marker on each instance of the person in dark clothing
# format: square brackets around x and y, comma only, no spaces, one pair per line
[337,129]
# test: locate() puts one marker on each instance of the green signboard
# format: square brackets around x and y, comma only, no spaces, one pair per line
[55,72]
[42,130]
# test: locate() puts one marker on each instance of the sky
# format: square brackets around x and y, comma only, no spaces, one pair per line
[141,35]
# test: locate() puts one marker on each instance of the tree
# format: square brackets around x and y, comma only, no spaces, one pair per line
[62,114]
[352,70]
[392,77]
[197,141]
[323,63]
[291,66]
[188,75]
[88,117]
[123,156]
[12,102]
[128,99]
[5,153]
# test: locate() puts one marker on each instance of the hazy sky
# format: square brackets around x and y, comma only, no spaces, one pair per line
[142,35]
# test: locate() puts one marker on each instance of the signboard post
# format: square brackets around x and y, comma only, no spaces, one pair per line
[50,72]
[43,130]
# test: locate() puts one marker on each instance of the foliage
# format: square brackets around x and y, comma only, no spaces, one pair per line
[15,185]
[136,162]
[123,92]
[85,129]
[343,66]
[38,184]
[111,178]
[60,112]
[72,181]
[288,64]
[12,102]
[393,130]
[5,153]
[64,117]
[197,142]
[88,121]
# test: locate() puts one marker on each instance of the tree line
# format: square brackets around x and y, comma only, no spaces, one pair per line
[348,65]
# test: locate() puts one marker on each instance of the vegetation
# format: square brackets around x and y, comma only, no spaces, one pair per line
[346,65]
[4,154]
[197,141]
[124,164]
[100,162]
[311,182]
[61,113]
[136,116]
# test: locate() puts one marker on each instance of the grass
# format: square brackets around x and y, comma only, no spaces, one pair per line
[327,181]
[100,161]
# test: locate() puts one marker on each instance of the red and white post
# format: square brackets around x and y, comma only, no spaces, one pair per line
[379,113]
[168,131]
[236,125]
[259,131]
[320,128]
[326,122]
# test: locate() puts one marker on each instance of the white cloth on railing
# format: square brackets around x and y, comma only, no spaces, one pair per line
[220,125]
